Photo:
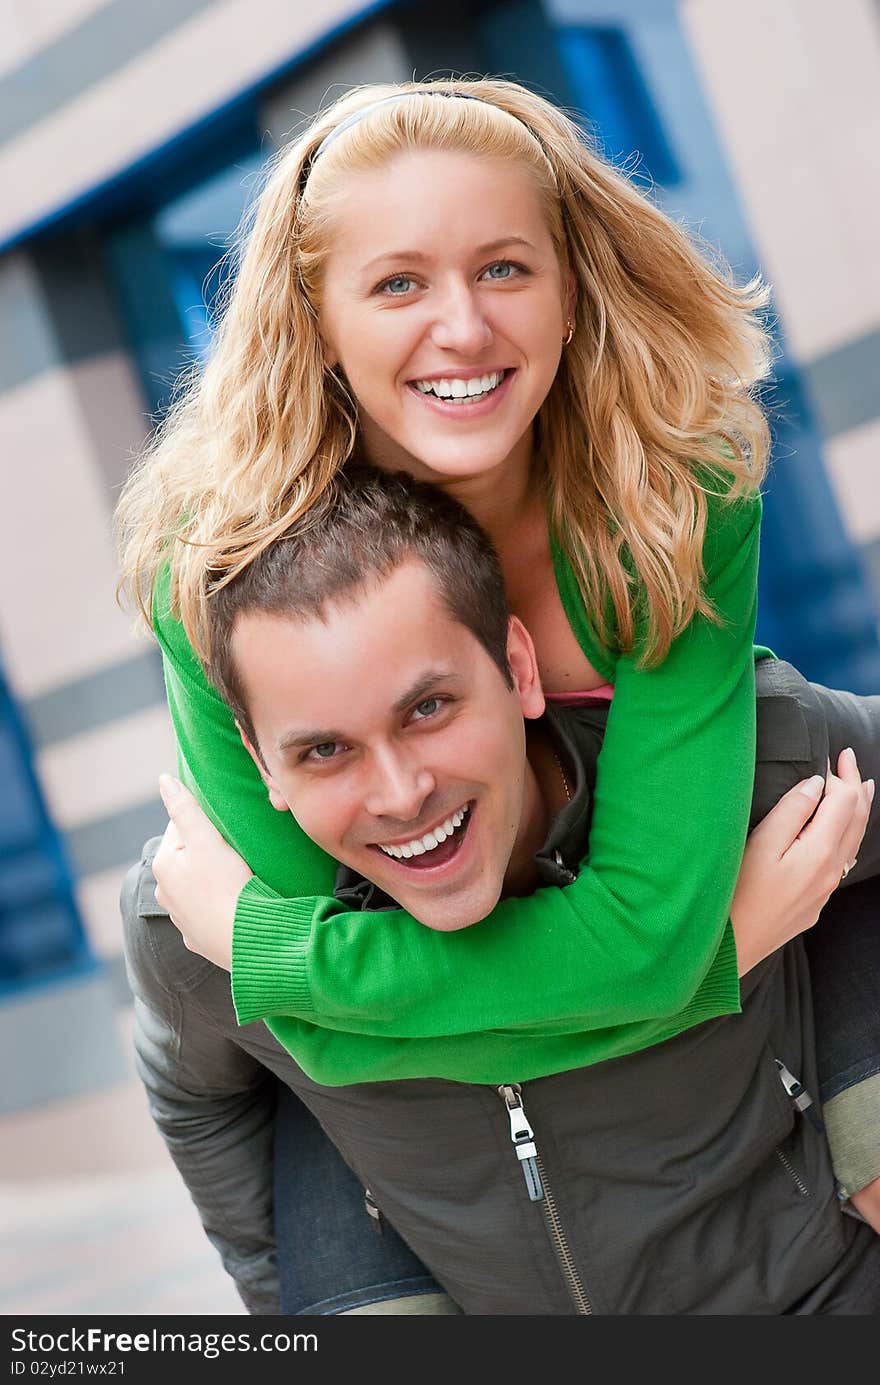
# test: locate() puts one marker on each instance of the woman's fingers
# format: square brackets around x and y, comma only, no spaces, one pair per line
[785,822]
[854,833]
[854,830]
[832,838]
[795,857]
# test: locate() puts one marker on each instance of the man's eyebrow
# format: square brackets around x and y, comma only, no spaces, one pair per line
[294,740]
[416,256]
[424,685]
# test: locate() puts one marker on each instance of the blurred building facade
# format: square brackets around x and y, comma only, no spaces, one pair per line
[131,136]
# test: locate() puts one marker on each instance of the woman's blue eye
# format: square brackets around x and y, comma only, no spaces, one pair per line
[428,707]
[503,265]
[397,286]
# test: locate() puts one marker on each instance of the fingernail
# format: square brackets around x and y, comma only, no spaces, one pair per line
[169,787]
[850,757]
[813,787]
[871,787]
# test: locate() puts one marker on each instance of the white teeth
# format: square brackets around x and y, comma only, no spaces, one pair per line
[430,841]
[461,389]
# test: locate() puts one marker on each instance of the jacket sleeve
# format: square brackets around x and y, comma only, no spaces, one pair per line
[213,1103]
[644,931]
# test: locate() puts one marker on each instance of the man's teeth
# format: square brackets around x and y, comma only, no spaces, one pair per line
[430,841]
[462,389]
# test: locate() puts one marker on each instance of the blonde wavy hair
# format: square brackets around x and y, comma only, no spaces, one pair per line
[651,411]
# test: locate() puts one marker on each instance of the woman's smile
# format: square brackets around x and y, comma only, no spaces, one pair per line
[461,398]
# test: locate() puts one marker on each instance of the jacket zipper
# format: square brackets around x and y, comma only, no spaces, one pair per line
[799,1095]
[792,1173]
[803,1102]
[371,1208]
[539,1190]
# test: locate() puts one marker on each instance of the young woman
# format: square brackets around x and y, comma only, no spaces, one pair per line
[445,278]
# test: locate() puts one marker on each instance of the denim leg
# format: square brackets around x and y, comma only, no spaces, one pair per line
[331,1258]
[844,954]
[800,726]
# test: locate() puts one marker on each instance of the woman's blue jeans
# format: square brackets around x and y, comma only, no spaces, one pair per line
[331,1256]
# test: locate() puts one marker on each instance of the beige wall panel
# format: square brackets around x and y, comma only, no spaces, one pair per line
[97,898]
[794,87]
[179,80]
[375,56]
[98,773]
[109,395]
[853,461]
[27,25]
[58,614]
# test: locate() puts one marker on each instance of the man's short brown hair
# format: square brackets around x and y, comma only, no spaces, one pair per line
[365,526]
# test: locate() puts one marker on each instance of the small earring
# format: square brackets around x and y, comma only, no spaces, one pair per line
[569,332]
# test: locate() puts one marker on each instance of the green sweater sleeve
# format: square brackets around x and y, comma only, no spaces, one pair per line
[642,934]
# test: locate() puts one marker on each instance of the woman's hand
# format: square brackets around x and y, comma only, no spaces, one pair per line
[795,859]
[199,877]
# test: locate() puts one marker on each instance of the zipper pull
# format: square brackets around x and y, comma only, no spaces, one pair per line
[373,1211]
[523,1138]
[798,1093]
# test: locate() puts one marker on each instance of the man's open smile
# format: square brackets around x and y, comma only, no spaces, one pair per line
[435,848]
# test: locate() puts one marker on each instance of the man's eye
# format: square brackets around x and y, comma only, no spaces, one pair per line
[397,286]
[325,751]
[428,708]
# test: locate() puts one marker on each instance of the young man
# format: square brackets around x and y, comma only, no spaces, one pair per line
[679,1179]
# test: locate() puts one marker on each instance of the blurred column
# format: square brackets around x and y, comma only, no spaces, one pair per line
[793,89]
[89,694]
[817,607]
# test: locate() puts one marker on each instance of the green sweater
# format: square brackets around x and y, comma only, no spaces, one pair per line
[637,949]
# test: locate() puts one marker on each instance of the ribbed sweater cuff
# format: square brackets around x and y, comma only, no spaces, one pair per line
[720,992]
[269,946]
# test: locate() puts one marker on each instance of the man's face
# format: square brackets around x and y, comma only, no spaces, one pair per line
[393,739]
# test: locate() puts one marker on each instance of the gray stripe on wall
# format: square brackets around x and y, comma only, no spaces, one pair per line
[114,840]
[87,703]
[64,1039]
[845,384]
[27,341]
[78,298]
[86,54]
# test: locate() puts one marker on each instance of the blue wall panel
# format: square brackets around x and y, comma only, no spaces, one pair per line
[41,935]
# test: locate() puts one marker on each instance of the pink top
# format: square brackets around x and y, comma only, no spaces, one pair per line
[604,693]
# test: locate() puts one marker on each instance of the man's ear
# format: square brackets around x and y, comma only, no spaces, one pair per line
[276,797]
[524,668]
